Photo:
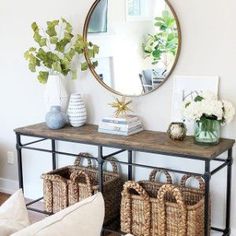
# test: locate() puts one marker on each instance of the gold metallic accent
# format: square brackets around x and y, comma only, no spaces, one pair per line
[121,106]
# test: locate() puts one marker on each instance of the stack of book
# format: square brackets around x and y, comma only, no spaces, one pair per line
[121,126]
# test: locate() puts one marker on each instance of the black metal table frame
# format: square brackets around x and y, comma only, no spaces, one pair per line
[208,173]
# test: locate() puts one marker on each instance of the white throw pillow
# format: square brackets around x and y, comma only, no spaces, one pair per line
[84,218]
[13,214]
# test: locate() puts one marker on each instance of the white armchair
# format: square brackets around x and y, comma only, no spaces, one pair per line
[84,218]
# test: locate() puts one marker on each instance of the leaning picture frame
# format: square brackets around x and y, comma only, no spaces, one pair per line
[186,87]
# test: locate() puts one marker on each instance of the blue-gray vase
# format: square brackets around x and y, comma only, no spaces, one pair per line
[55,118]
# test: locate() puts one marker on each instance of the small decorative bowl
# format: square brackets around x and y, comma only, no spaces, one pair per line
[177,131]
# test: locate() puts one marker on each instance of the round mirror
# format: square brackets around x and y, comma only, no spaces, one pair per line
[139,44]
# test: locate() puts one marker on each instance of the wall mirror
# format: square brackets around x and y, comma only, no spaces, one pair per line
[139,43]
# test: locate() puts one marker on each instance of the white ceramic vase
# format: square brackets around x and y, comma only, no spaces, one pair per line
[55,93]
[76,112]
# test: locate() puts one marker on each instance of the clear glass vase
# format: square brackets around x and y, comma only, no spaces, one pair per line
[207,131]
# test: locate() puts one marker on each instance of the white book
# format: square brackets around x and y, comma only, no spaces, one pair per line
[125,120]
[119,132]
[120,127]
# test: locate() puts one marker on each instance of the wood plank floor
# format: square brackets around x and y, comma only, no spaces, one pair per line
[3,197]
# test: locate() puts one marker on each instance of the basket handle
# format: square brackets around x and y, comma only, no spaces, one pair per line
[76,174]
[168,188]
[84,155]
[198,178]
[112,161]
[53,177]
[126,203]
[153,174]
[48,180]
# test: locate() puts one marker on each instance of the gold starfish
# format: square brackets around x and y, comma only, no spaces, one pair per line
[121,106]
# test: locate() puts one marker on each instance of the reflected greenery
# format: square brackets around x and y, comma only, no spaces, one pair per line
[140,48]
[164,43]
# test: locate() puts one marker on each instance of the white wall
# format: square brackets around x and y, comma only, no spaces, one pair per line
[209,48]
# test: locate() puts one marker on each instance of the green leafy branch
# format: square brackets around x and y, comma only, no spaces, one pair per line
[165,41]
[56,49]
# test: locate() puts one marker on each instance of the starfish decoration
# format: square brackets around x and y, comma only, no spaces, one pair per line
[121,106]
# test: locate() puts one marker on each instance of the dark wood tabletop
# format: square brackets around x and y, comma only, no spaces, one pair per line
[146,141]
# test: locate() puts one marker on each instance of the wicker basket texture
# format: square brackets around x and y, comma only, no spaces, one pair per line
[68,185]
[151,208]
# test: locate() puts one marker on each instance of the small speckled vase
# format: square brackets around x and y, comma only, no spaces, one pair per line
[55,118]
[177,131]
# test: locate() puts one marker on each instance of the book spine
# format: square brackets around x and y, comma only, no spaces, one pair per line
[110,132]
[119,132]
[135,131]
[119,127]
[120,121]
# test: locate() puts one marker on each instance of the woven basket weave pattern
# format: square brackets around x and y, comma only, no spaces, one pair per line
[68,185]
[151,208]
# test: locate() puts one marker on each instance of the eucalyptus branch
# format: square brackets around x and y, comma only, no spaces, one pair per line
[48,44]
[44,60]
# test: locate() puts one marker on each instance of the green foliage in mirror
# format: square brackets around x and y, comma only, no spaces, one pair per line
[165,42]
[56,50]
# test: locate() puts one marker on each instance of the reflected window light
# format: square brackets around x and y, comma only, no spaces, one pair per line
[134,7]
[139,10]
[98,20]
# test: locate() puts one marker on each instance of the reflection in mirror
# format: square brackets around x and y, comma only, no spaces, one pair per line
[98,20]
[139,43]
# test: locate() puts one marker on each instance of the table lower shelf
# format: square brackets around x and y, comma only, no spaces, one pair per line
[108,230]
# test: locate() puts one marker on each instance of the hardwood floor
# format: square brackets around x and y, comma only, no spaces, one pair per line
[3,197]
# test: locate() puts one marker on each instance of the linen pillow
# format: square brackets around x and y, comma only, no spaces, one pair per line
[84,218]
[13,214]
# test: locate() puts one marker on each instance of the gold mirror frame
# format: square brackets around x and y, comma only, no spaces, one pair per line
[92,69]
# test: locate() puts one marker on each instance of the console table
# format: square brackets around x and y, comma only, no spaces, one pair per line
[145,141]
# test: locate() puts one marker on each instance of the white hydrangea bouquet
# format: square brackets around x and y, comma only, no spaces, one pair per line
[209,113]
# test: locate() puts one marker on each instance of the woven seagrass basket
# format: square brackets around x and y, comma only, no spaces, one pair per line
[68,185]
[154,209]
[139,211]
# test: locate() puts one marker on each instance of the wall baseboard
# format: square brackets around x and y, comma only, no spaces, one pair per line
[8,186]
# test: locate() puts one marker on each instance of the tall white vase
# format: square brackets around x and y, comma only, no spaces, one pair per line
[55,93]
[77,114]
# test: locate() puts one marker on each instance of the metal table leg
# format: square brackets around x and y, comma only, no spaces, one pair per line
[207,177]
[228,191]
[130,167]
[19,163]
[100,168]
[54,160]
[100,174]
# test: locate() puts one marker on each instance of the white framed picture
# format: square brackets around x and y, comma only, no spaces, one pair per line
[186,87]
